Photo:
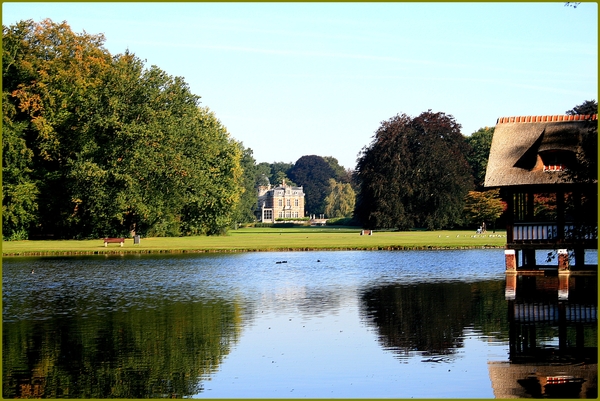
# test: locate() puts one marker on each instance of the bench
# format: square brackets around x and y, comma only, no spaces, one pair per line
[114,241]
[366,232]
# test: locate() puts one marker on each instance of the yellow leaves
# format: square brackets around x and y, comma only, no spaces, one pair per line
[28,102]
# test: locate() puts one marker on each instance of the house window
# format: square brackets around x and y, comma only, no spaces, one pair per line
[296,203]
[281,214]
[289,202]
[268,215]
[280,202]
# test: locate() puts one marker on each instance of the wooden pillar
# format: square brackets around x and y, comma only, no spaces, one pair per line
[510,217]
[511,259]
[560,215]
[563,260]
[530,207]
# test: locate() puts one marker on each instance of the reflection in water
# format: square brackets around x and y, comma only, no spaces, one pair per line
[241,325]
[553,338]
[118,355]
[108,329]
[430,318]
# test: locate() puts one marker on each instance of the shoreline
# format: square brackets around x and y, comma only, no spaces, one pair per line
[243,250]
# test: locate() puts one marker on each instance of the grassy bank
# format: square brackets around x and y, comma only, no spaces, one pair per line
[267,239]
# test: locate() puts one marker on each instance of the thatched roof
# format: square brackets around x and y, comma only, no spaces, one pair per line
[522,147]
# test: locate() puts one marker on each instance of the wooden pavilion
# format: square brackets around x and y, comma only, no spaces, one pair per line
[546,168]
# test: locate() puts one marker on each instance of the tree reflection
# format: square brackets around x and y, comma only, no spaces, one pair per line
[431,317]
[159,351]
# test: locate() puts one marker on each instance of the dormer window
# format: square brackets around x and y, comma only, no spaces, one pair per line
[556,160]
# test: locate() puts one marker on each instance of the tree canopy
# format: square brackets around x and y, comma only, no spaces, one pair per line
[413,174]
[99,145]
[478,153]
[313,173]
[588,107]
[340,200]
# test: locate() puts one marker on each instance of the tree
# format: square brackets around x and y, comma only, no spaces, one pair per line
[249,198]
[486,206]
[280,173]
[478,153]
[273,173]
[413,174]
[104,146]
[50,78]
[340,200]
[588,107]
[341,174]
[313,174]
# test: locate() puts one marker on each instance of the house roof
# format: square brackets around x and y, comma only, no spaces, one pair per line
[519,143]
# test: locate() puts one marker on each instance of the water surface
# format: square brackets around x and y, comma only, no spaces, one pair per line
[364,324]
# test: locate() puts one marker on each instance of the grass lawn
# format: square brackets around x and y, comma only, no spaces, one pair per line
[267,239]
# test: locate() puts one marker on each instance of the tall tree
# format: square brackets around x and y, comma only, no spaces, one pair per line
[249,198]
[482,207]
[478,153]
[341,174]
[313,174]
[340,200]
[588,107]
[109,145]
[413,174]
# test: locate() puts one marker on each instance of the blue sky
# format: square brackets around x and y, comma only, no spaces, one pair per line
[294,79]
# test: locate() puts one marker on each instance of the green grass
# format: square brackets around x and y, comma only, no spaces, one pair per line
[267,239]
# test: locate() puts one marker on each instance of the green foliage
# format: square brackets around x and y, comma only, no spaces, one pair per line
[483,206]
[340,200]
[588,107]
[110,146]
[273,174]
[341,174]
[249,198]
[313,174]
[480,143]
[413,174]
[342,221]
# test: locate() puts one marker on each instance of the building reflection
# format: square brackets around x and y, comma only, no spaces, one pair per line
[553,330]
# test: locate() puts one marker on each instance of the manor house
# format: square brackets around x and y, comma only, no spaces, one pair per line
[280,202]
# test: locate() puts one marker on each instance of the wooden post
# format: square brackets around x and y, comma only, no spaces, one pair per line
[510,292]
[511,259]
[563,260]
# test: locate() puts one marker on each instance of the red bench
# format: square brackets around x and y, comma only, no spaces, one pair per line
[114,241]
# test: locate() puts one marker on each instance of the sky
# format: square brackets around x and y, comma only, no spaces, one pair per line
[296,79]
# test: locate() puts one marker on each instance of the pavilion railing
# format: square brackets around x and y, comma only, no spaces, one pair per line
[540,231]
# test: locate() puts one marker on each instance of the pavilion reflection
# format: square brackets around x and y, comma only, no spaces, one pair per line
[553,330]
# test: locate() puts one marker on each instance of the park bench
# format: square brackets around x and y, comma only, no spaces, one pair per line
[366,232]
[114,241]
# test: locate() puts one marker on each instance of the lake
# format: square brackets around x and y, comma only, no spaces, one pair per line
[343,324]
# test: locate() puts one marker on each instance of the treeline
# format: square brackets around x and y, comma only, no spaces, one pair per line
[97,145]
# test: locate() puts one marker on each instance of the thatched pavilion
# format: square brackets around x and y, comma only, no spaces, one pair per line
[546,168]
